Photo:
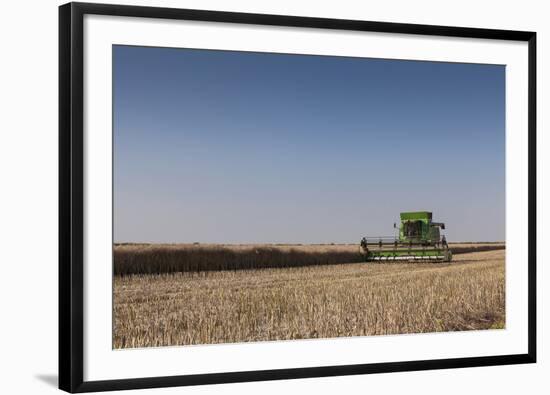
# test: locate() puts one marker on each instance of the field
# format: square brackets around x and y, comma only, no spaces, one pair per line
[195,303]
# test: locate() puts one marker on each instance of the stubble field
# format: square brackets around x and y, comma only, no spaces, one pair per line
[309,301]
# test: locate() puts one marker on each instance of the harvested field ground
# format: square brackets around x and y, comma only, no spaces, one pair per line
[322,301]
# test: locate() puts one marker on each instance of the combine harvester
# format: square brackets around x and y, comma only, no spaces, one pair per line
[419,240]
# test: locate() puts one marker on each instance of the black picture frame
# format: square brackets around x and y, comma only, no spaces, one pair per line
[71,177]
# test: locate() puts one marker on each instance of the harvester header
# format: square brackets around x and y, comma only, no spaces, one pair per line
[419,239]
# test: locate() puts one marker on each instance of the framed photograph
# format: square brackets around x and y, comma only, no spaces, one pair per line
[248,197]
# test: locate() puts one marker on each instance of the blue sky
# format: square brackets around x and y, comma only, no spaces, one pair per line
[238,147]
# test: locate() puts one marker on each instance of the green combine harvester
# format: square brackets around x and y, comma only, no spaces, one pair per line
[419,240]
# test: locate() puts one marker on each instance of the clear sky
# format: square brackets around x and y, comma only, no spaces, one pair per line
[237,147]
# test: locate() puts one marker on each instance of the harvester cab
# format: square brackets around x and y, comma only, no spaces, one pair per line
[419,239]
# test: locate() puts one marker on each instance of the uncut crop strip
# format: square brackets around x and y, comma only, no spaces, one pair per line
[166,258]
[150,260]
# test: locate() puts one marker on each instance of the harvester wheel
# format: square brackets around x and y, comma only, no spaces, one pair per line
[448,256]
